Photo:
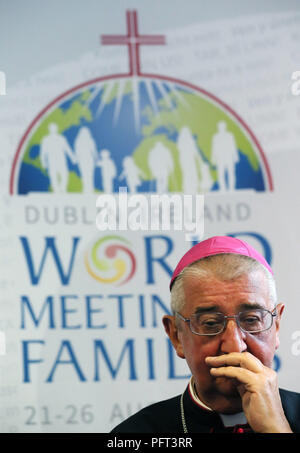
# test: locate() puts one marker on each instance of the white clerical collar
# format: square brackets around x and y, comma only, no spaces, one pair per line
[234,419]
[194,395]
[228,420]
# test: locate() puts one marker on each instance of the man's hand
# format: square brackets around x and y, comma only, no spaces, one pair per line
[258,389]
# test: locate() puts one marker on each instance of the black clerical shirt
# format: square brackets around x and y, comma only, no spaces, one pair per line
[166,417]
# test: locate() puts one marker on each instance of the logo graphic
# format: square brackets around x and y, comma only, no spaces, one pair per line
[111,261]
[146,132]
[276,363]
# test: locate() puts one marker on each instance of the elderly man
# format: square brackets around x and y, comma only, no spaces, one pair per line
[225,324]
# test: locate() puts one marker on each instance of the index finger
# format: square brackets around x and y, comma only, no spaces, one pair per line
[241,359]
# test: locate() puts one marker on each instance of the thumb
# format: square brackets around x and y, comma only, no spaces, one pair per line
[241,389]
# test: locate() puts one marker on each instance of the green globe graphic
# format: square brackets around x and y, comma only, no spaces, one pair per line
[148,133]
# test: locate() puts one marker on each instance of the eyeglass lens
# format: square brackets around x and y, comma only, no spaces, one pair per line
[249,320]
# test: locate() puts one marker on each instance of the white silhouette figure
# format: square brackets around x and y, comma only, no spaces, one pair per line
[195,171]
[225,156]
[108,170]
[54,148]
[132,174]
[161,164]
[86,154]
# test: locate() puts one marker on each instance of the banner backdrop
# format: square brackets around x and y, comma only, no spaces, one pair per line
[206,109]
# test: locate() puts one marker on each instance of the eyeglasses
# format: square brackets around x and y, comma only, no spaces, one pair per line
[250,321]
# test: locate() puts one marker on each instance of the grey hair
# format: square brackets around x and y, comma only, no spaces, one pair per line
[225,267]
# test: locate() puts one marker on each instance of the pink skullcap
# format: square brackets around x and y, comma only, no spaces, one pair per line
[215,246]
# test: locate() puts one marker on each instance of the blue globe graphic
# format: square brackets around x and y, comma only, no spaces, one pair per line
[128,118]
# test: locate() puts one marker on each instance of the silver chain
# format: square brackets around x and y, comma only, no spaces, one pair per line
[185,430]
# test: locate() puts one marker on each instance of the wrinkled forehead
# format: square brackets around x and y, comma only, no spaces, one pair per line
[249,288]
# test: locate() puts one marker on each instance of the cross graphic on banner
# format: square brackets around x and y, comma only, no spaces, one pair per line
[133,40]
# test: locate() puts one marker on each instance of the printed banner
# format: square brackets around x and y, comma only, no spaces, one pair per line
[207,110]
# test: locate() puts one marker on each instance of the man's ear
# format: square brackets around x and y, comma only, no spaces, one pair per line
[279,309]
[174,334]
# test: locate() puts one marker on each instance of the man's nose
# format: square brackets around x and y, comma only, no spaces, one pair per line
[233,338]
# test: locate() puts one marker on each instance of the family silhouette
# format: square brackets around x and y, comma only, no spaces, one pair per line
[195,169]
[225,156]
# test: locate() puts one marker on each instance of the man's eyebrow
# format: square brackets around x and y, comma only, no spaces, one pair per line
[217,308]
[211,308]
[250,306]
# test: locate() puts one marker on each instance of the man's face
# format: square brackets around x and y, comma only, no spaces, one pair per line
[229,298]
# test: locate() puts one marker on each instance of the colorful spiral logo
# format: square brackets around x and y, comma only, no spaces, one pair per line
[111,262]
